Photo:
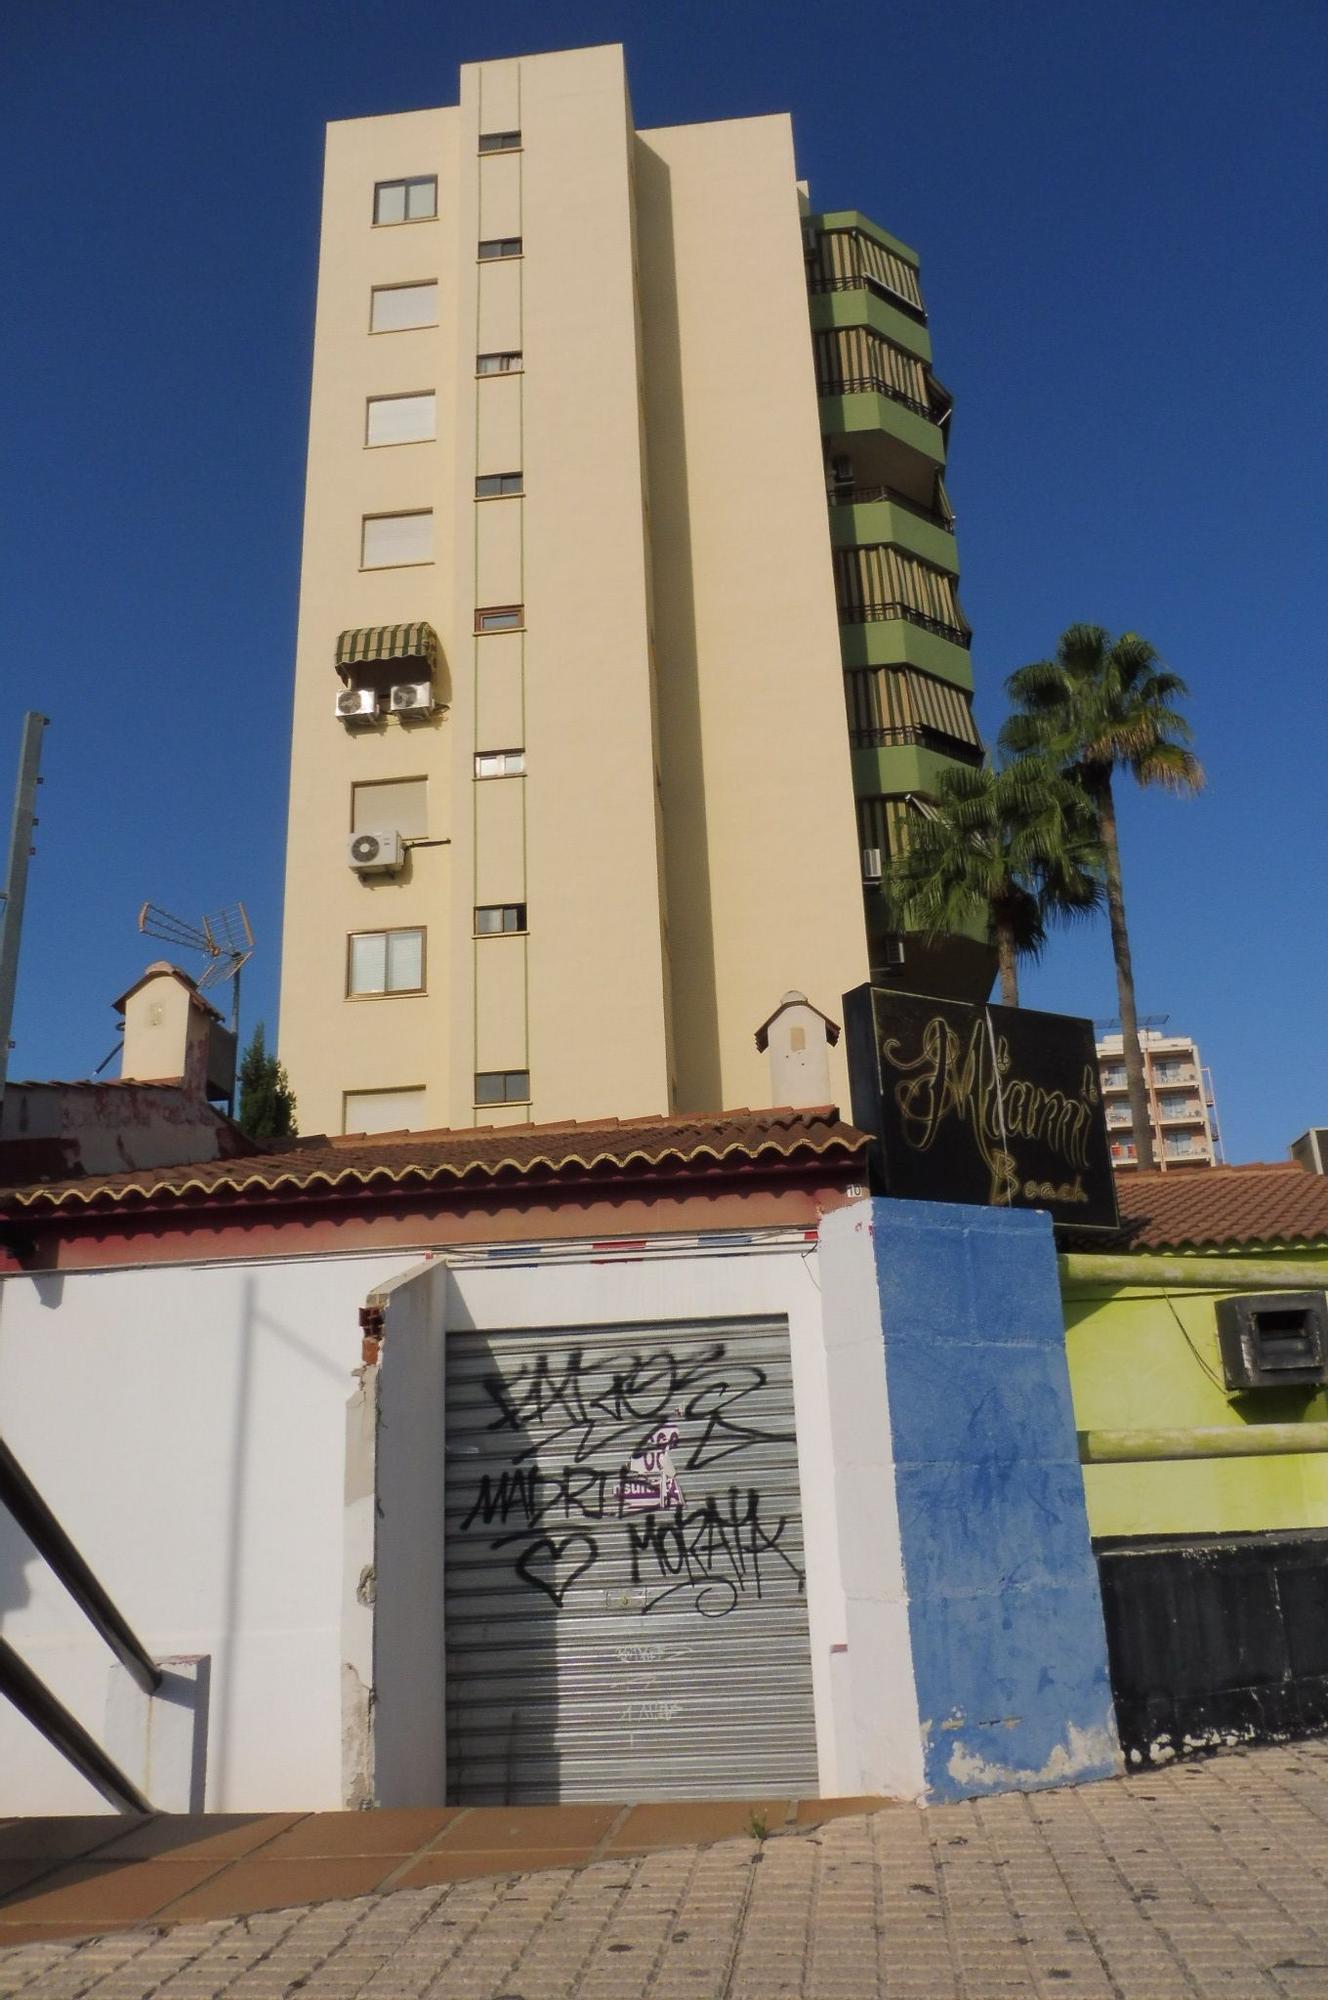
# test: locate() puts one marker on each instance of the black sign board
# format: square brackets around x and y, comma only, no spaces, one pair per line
[998,1106]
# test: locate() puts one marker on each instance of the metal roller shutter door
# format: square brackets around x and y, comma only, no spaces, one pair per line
[625,1583]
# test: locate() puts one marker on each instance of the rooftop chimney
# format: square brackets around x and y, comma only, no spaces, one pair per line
[171,1033]
[797,1037]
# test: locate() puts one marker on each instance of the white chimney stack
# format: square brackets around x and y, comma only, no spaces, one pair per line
[172,1034]
[798,1038]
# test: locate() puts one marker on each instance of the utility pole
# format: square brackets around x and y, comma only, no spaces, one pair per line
[16,879]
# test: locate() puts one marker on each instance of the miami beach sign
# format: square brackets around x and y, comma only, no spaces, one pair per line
[997,1106]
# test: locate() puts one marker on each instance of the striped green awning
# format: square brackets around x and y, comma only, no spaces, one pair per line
[417,643]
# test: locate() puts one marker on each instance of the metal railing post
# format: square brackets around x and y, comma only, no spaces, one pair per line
[33,1699]
[39,1524]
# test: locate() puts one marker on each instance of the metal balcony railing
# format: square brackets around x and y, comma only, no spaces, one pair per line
[32,1698]
[860,385]
[921,737]
[869,614]
[859,281]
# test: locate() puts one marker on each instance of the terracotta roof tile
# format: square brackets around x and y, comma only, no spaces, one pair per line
[1276,1205]
[486,1153]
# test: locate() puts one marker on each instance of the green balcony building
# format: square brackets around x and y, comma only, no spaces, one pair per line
[904,639]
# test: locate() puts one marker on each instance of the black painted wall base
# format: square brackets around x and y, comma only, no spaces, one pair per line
[1216,1640]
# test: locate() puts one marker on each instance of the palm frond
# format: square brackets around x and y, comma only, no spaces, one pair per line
[1171,766]
[1103,705]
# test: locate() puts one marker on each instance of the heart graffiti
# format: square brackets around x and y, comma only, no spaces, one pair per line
[547,1565]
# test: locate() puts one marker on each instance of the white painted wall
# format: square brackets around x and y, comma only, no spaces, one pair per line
[190,1428]
[187,1428]
[410,1739]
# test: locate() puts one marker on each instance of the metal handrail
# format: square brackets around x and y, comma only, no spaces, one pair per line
[866,496]
[859,281]
[868,614]
[857,385]
[33,1699]
[39,1524]
[924,738]
[30,1695]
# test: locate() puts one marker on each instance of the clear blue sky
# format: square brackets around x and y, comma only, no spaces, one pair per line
[1120,214]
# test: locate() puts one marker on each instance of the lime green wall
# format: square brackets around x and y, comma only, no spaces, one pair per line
[891,769]
[896,642]
[884,521]
[1132,1367]
[850,218]
[864,308]
[866,411]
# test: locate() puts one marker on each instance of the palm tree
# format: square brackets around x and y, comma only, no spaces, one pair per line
[1100,706]
[1017,842]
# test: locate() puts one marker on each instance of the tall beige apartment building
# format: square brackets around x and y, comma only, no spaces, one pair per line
[573,797]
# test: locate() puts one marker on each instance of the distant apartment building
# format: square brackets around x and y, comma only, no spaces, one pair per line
[629,643]
[1181,1108]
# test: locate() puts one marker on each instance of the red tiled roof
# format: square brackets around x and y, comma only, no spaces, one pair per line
[485,1154]
[1273,1206]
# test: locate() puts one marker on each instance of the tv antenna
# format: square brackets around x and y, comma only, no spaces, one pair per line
[224,938]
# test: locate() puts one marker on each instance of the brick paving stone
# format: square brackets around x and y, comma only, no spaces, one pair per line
[1199,1881]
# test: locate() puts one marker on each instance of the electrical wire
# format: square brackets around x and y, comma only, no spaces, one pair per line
[1213,1378]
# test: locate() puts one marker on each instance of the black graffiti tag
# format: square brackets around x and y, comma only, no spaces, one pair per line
[554,1567]
[533,1496]
[576,1404]
[643,1391]
[713,1550]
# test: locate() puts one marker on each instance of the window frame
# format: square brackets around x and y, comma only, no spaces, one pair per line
[486,777]
[514,613]
[510,354]
[415,1090]
[520,928]
[508,1076]
[360,787]
[504,490]
[405,182]
[399,396]
[402,514]
[387,992]
[499,249]
[499,142]
[407,285]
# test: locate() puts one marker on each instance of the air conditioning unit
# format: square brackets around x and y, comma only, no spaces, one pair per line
[357,705]
[1273,1340]
[892,954]
[871,864]
[841,469]
[376,853]
[412,698]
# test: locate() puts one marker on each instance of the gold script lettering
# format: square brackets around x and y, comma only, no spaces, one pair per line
[969,1080]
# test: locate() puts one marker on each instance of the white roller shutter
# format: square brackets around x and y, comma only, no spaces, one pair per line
[393,539]
[625,1594]
[396,307]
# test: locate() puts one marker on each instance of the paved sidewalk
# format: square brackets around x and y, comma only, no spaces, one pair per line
[1207,1879]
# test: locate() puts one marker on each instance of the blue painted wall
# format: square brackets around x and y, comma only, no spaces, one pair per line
[1005,1614]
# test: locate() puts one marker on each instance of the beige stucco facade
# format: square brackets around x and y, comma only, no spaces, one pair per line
[677,838]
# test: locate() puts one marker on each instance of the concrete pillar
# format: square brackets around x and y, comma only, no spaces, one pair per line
[1004,1611]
